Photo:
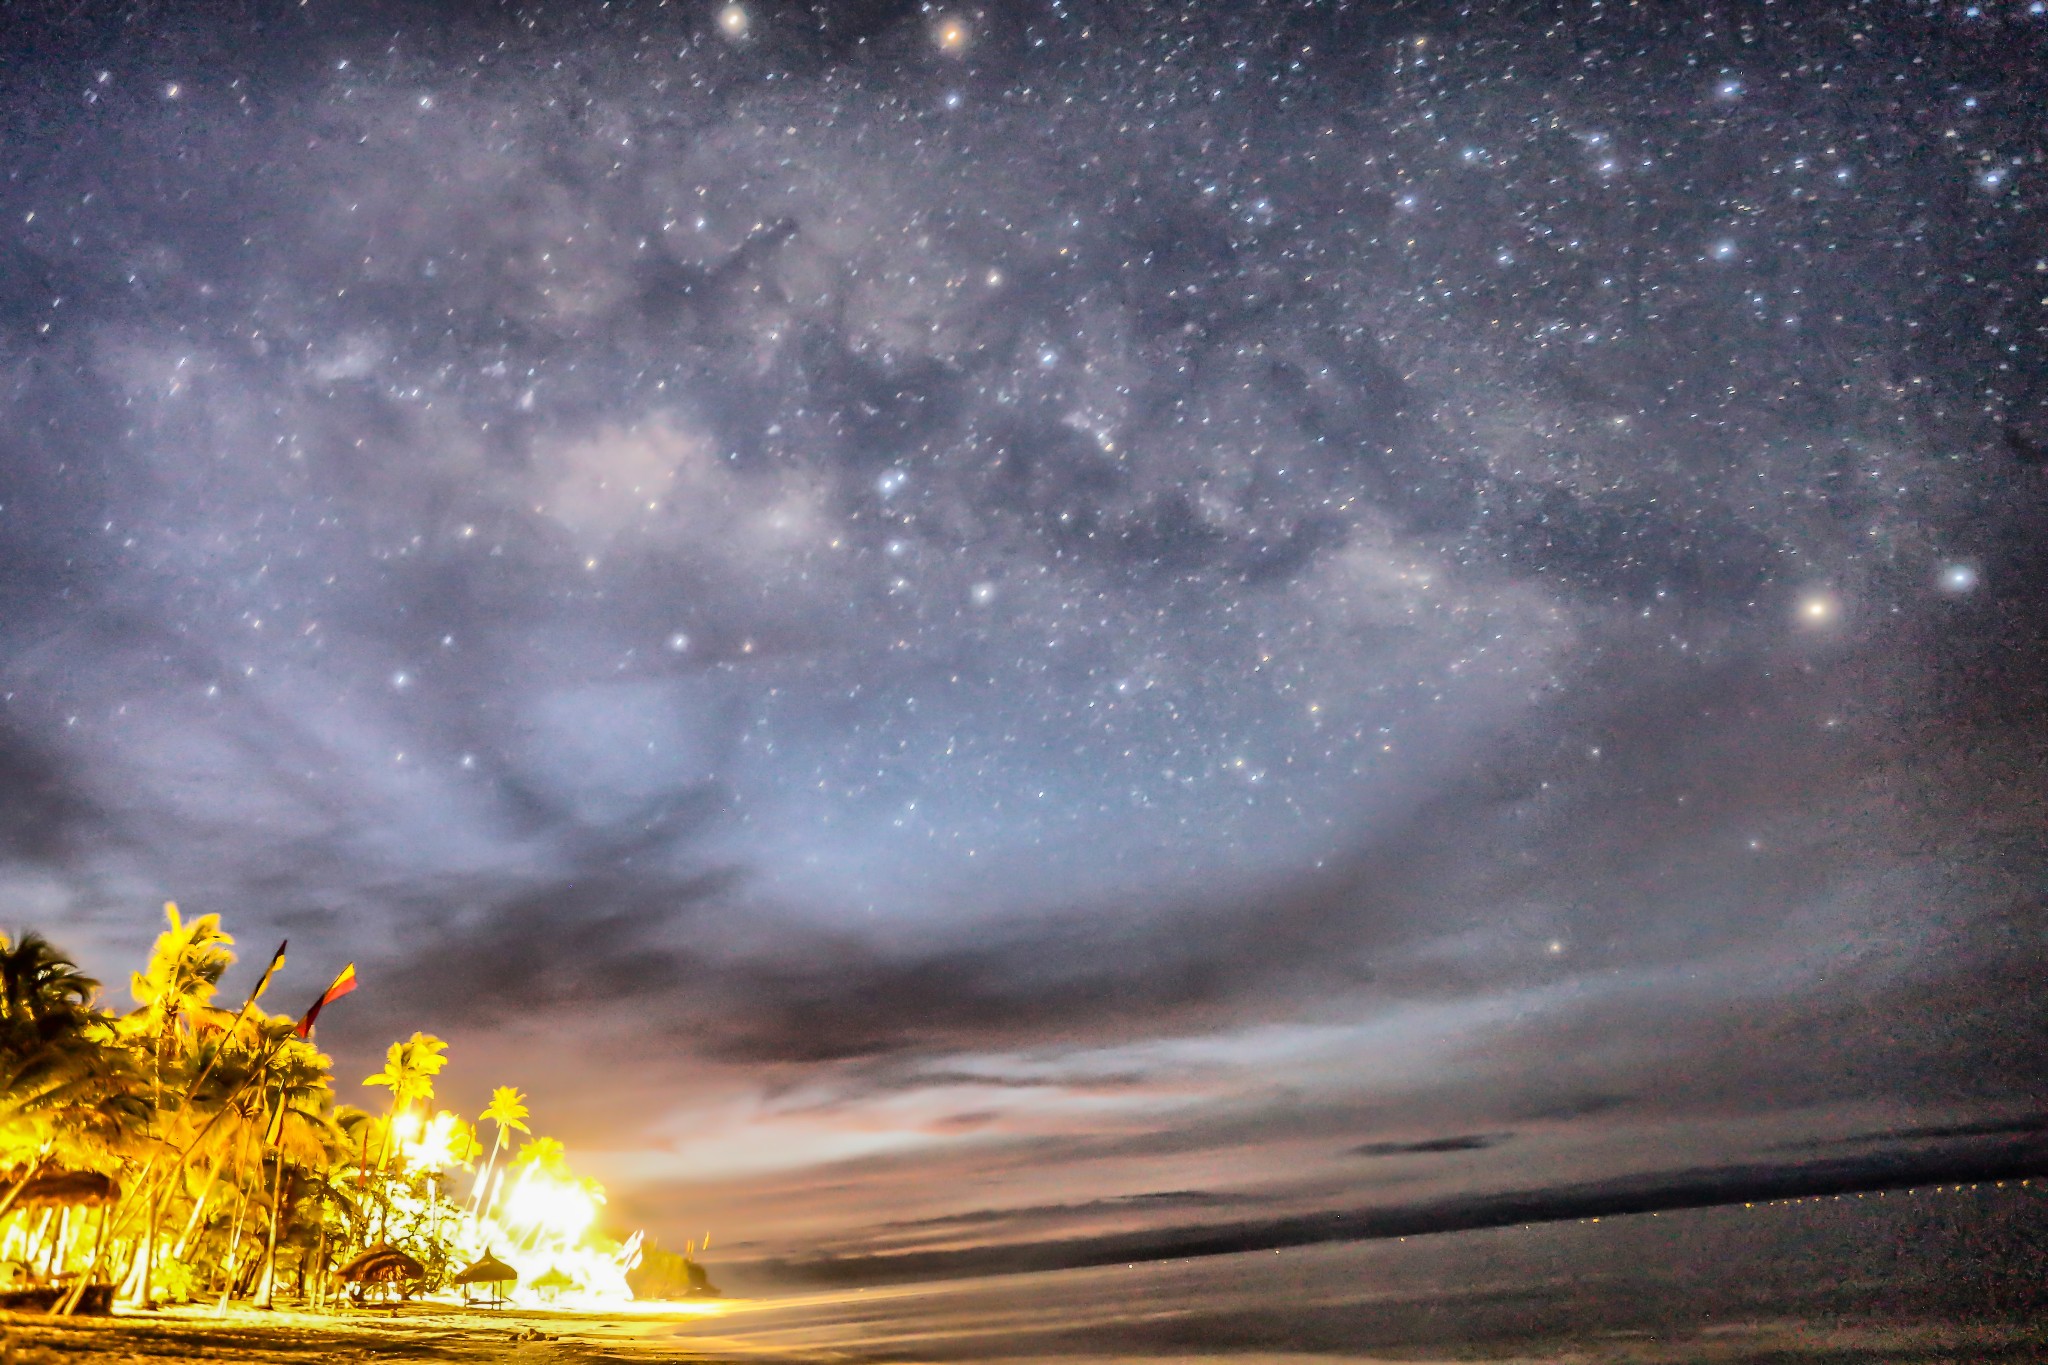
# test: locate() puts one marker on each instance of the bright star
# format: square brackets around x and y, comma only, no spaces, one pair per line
[1819,608]
[951,35]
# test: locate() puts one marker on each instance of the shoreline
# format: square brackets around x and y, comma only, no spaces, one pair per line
[405,1335]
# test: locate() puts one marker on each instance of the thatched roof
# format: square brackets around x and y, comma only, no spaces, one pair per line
[67,1187]
[553,1278]
[381,1264]
[488,1270]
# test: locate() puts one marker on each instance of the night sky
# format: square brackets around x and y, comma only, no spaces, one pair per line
[953,624]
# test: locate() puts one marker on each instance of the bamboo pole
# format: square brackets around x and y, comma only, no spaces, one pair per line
[79,1289]
[198,1209]
[270,1251]
[220,1310]
[35,1168]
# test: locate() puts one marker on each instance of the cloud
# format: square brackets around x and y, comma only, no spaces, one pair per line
[1463,1142]
[1662,1191]
[2025,1125]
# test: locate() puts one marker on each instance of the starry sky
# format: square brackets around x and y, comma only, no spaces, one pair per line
[948,624]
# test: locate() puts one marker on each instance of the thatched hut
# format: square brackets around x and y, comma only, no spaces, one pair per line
[492,1274]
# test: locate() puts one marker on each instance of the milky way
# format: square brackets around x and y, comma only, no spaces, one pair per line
[1063,580]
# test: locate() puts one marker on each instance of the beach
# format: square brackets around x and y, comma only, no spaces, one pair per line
[1939,1275]
[415,1332]
[417,1336]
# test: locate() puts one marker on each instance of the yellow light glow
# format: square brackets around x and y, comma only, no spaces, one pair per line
[733,21]
[561,1209]
[432,1144]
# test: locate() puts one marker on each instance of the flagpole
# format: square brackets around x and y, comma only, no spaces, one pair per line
[276,961]
[149,1246]
[269,1279]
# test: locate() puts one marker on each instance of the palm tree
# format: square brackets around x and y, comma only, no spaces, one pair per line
[301,1131]
[66,1083]
[185,967]
[69,1091]
[37,981]
[175,991]
[409,1071]
[507,1112]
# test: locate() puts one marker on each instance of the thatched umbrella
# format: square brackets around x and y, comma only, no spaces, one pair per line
[61,1189]
[553,1282]
[382,1264]
[69,1188]
[490,1272]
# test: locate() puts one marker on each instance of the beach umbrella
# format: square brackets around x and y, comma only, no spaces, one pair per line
[381,1264]
[488,1270]
[69,1188]
[553,1282]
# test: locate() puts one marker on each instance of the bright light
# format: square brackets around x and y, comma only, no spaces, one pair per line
[733,21]
[442,1142]
[543,1224]
[1819,609]
[560,1209]
[1958,578]
[951,34]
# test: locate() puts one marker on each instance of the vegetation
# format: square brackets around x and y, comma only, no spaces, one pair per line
[180,1150]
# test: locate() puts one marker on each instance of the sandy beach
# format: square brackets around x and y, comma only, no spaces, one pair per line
[416,1332]
[421,1334]
[904,1327]
[1934,1276]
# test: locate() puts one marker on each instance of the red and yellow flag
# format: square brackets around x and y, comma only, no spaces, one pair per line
[343,984]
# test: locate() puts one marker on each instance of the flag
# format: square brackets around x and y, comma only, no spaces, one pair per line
[275,1135]
[275,962]
[343,984]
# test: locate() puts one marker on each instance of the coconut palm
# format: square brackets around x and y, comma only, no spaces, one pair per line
[210,1142]
[300,1129]
[543,1154]
[186,964]
[175,991]
[409,1070]
[507,1113]
[38,982]
[66,1083]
